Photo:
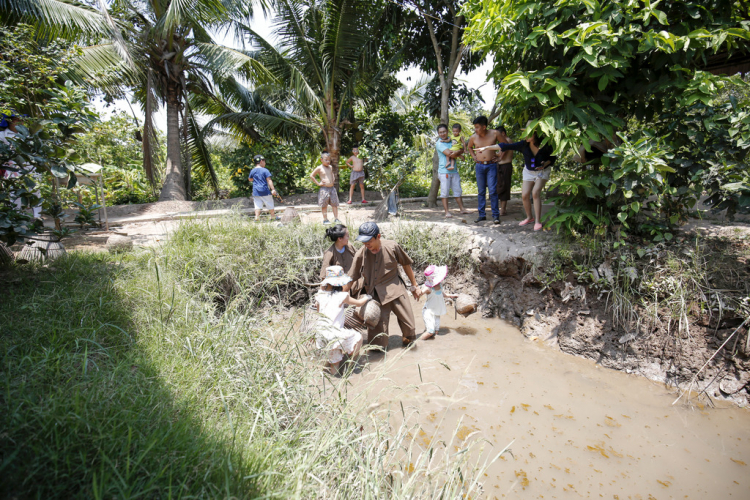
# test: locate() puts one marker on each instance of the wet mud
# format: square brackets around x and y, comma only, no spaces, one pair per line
[578,430]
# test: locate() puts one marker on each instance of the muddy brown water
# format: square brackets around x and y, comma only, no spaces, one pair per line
[578,430]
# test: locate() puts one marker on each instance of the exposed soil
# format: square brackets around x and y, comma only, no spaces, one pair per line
[655,348]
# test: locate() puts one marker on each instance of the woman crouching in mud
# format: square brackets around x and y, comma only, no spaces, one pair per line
[341,253]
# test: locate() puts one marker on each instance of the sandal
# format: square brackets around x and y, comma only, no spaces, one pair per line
[527,221]
[349,202]
[537,226]
[448,216]
[364,202]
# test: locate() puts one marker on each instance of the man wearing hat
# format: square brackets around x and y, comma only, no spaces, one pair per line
[378,263]
[263,191]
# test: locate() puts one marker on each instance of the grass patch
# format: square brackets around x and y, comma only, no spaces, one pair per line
[659,286]
[122,378]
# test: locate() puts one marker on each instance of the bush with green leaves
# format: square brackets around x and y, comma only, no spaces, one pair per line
[31,73]
[628,72]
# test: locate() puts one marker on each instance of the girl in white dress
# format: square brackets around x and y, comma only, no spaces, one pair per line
[435,305]
[330,333]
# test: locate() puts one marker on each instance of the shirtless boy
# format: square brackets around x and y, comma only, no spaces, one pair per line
[504,171]
[485,167]
[327,194]
[357,176]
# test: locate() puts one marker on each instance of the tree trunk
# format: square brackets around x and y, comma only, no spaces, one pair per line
[333,145]
[435,186]
[174,181]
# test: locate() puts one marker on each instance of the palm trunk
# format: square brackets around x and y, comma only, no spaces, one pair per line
[333,144]
[174,181]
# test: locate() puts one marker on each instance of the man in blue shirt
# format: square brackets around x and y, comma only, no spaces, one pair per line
[263,191]
[448,175]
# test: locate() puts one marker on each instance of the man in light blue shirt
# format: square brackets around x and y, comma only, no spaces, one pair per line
[449,178]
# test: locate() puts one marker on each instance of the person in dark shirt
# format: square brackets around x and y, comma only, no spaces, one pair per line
[537,168]
[263,191]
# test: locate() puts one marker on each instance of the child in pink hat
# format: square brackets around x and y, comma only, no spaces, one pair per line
[435,305]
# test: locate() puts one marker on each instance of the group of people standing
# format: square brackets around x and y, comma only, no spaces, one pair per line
[492,152]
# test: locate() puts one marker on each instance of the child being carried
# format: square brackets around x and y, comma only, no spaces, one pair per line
[330,334]
[435,305]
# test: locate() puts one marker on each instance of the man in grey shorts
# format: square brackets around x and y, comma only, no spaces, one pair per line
[327,194]
[448,176]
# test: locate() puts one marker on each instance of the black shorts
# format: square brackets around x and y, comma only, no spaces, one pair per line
[504,180]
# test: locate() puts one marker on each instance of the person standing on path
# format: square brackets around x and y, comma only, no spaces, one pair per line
[378,263]
[263,191]
[327,194]
[357,176]
[504,172]
[537,169]
[448,175]
[485,167]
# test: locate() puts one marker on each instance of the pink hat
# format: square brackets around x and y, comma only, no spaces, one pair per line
[434,275]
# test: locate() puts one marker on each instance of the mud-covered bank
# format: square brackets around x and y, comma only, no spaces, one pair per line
[514,283]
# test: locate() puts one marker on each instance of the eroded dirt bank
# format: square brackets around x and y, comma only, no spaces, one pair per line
[581,313]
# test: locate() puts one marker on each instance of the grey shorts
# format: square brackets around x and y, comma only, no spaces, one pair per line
[328,196]
[450,182]
[357,177]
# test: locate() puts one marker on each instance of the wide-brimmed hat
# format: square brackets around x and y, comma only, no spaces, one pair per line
[434,275]
[335,276]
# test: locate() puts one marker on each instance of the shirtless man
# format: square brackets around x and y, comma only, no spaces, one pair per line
[357,176]
[504,171]
[485,167]
[327,194]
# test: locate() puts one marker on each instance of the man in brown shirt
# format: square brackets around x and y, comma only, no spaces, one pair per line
[378,263]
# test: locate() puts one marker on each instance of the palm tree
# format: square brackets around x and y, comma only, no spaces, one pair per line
[163,50]
[325,64]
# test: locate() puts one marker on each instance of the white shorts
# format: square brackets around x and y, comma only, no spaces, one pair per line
[534,175]
[450,182]
[259,201]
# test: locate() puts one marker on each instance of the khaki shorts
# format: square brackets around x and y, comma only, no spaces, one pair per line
[328,196]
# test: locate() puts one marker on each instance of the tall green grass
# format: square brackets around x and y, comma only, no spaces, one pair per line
[123,378]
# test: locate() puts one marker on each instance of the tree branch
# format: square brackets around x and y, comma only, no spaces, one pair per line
[435,45]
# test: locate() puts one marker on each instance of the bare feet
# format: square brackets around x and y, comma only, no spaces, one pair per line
[503,213]
[427,335]
[465,211]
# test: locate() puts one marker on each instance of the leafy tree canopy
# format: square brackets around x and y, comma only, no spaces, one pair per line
[631,70]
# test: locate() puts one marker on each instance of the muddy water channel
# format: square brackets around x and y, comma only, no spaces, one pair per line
[577,430]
